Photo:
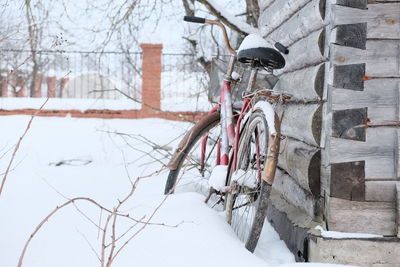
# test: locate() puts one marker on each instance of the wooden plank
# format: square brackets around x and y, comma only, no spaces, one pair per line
[277,13]
[361,4]
[352,35]
[305,53]
[309,19]
[372,252]
[361,217]
[381,57]
[302,162]
[295,194]
[348,180]
[378,93]
[350,76]
[398,208]
[301,122]
[380,191]
[378,152]
[345,124]
[304,85]
[383,20]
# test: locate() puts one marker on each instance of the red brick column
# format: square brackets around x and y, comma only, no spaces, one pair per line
[21,84]
[151,76]
[51,86]
[38,85]
[4,86]
[63,83]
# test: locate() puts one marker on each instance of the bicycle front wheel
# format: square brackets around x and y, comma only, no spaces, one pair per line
[196,157]
[247,201]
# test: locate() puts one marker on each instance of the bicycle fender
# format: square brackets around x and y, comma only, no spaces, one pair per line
[189,137]
[269,112]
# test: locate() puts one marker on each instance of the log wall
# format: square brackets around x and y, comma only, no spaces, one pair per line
[339,162]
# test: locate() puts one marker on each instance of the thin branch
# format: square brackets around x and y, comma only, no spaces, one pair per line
[18,144]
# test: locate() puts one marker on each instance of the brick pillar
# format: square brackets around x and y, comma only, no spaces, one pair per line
[151,76]
[21,84]
[51,86]
[38,85]
[4,86]
[63,83]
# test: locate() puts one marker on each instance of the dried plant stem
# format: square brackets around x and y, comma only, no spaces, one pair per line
[28,126]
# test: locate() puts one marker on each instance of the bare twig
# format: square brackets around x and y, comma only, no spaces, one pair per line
[18,144]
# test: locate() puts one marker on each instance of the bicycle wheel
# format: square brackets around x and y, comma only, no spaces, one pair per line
[192,170]
[247,201]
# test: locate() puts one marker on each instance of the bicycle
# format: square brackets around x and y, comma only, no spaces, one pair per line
[232,156]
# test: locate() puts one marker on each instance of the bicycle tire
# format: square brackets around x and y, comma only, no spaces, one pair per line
[246,205]
[193,139]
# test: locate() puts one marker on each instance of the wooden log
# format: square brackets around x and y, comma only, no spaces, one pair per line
[361,4]
[307,20]
[277,13]
[304,85]
[352,35]
[398,208]
[383,20]
[302,162]
[263,4]
[348,180]
[381,57]
[378,153]
[345,124]
[294,193]
[301,122]
[361,217]
[380,191]
[379,95]
[305,53]
[350,76]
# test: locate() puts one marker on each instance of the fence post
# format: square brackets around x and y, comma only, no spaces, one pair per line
[4,85]
[151,76]
[51,86]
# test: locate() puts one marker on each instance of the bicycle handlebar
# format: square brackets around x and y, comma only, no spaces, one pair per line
[283,49]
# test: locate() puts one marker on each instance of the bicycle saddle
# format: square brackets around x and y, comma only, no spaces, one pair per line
[255,49]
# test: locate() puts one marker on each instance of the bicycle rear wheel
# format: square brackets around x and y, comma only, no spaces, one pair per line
[196,158]
[247,201]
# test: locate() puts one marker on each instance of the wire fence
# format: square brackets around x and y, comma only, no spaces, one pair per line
[83,75]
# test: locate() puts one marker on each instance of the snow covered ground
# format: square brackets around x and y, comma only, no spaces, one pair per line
[63,158]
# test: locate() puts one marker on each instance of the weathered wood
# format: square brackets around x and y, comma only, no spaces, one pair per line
[381,57]
[309,19]
[302,162]
[218,69]
[345,124]
[305,53]
[371,252]
[301,122]
[304,85]
[294,193]
[348,180]
[378,94]
[291,223]
[380,191]
[277,13]
[397,199]
[352,35]
[263,4]
[383,20]
[378,152]
[361,4]
[350,77]
[361,217]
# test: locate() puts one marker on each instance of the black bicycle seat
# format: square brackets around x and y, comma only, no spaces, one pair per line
[262,57]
